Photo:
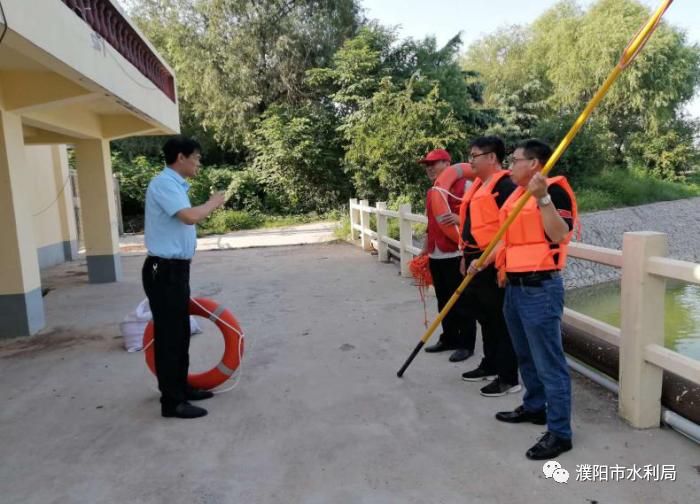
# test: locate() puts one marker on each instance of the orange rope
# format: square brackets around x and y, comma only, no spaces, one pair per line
[420,270]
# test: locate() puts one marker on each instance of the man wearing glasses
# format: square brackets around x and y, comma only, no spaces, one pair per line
[483,297]
[532,256]
[459,332]
[171,240]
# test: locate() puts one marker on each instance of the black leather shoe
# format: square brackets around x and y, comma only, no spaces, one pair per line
[520,415]
[461,354]
[548,447]
[439,347]
[184,410]
[198,394]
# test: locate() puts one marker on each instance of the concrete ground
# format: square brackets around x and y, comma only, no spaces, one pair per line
[303,234]
[318,417]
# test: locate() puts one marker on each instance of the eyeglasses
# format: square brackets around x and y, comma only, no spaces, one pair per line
[472,157]
[512,160]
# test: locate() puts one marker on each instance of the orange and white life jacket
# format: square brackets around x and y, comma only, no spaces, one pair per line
[480,202]
[440,194]
[526,247]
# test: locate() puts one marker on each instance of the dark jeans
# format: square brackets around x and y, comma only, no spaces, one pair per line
[167,285]
[458,329]
[483,300]
[534,316]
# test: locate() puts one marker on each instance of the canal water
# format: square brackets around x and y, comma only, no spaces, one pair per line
[682,312]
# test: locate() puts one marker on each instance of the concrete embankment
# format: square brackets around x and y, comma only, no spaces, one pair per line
[680,219]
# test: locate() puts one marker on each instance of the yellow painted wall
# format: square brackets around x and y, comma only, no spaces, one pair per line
[46,199]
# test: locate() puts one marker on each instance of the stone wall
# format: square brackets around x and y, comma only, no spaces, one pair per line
[679,219]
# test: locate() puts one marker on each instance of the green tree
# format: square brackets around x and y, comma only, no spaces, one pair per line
[564,56]
[134,176]
[358,68]
[390,132]
[236,58]
[393,101]
[296,153]
[668,150]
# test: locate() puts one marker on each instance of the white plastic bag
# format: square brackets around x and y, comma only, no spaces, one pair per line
[134,324]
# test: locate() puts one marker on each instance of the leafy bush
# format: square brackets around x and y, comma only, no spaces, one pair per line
[387,135]
[134,176]
[224,221]
[592,200]
[589,153]
[247,191]
[209,180]
[297,155]
[667,151]
[244,187]
[619,188]
[343,230]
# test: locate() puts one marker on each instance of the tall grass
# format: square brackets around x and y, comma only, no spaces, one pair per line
[621,188]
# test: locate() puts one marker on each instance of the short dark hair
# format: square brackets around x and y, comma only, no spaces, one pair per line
[179,145]
[490,144]
[536,149]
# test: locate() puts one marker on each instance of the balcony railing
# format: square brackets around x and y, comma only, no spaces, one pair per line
[109,23]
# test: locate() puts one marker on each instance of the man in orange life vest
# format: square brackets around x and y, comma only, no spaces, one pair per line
[459,332]
[532,255]
[483,298]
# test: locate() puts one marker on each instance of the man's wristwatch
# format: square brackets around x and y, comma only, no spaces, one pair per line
[544,201]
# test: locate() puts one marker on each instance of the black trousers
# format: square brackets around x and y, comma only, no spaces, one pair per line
[483,299]
[167,285]
[458,327]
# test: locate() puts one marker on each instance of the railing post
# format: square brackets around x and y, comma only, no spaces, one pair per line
[642,310]
[354,219]
[382,230]
[365,240]
[406,239]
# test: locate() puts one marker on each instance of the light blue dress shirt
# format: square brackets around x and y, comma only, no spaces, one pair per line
[166,235]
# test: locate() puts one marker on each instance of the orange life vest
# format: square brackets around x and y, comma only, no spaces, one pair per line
[440,193]
[526,247]
[480,202]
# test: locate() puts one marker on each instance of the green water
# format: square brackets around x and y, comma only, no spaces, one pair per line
[682,332]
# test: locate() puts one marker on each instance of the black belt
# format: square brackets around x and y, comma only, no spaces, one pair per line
[163,260]
[532,279]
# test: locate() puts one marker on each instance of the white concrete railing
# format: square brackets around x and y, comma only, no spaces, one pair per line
[403,248]
[640,337]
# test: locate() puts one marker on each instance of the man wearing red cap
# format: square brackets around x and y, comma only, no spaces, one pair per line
[459,331]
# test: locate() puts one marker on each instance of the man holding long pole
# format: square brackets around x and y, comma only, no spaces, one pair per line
[532,256]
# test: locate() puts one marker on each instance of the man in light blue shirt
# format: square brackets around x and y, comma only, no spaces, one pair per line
[171,240]
[166,235]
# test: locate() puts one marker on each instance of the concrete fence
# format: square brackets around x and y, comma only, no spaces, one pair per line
[640,337]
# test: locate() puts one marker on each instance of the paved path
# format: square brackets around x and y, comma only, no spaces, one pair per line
[319,416]
[305,234]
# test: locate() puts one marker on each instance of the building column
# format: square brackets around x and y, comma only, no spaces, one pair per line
[21,303]
[66,213]
[99,212]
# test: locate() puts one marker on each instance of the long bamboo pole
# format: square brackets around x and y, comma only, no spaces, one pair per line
[630,52]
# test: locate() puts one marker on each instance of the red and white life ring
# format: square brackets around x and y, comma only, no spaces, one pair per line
[440,194]
[233,344]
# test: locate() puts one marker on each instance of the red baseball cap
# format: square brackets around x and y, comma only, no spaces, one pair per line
[436,155]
